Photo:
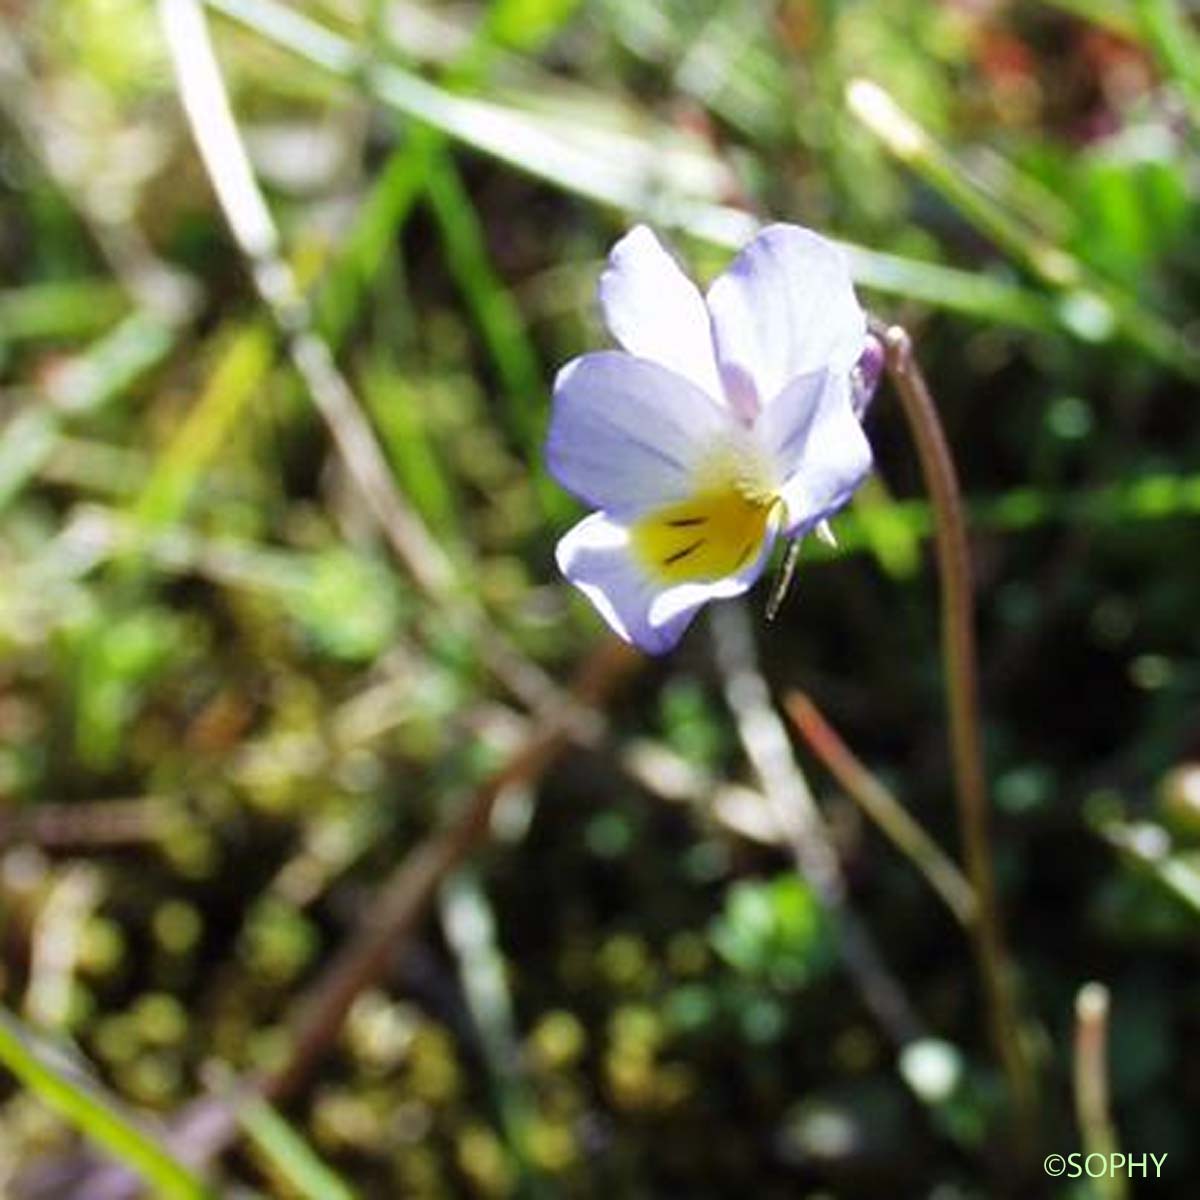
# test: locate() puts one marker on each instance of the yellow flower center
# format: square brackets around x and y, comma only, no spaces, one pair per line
[716,532]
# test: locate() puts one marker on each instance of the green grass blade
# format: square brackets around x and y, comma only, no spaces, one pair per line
[395,408]
[1143,847]
[1176,46]
[1082,289]
[470,926]
[114,363]
[972,294]
[95,378]
[67,309]
[527,25]
[499,319]
[522,378]
[903,137]
[238,376]
[370,243]
[98,1117]
[290,1154]
[26,443]
[635,183]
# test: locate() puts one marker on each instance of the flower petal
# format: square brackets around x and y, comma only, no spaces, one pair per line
[785,307]
[597,556]
[682,602]
[710,536]
[819,447]
[626,434]
[655,311]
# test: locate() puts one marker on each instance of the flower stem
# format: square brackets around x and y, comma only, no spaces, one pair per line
[962,684]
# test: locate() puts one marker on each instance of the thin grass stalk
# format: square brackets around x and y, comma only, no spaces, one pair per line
[206,104]
[799,822]
[289,1154]
[1092,1108]
[512,137]
[495,312]
[469,924]
[411,888]
[865,788]
[1079,285]
[961,665]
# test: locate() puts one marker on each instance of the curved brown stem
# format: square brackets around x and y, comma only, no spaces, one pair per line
[962,685]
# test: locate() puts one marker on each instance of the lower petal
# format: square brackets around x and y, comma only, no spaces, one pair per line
[598,556]
[681,603]
[713,535]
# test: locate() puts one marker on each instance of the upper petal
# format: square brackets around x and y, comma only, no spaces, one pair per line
[818,446]
[627,434]
[655,311]
[784,307]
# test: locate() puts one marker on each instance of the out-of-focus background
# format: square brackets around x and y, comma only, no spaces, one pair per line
[311,876]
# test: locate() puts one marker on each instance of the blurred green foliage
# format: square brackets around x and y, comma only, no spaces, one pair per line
[773,931]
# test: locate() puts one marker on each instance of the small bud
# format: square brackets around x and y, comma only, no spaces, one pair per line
[865,375]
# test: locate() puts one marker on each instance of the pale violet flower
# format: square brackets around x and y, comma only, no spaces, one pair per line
[725,421]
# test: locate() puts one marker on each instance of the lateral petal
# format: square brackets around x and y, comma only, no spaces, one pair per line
[819,448]
[626,434]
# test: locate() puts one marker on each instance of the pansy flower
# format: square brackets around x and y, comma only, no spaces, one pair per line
[723,422]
